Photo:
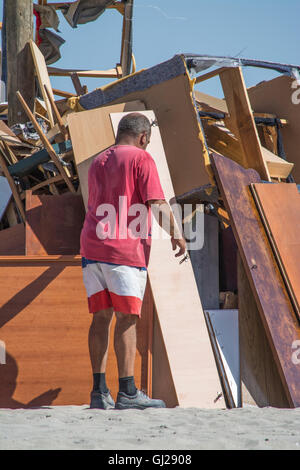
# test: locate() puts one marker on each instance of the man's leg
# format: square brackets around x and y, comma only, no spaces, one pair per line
[125,349]
[98,347]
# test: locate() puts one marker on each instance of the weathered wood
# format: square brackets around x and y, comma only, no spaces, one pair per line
[276,311]
[259,373]
[279,208]
[20,68]
[242,117]
[47,144]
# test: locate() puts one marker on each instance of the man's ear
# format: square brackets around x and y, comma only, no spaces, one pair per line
[143,139]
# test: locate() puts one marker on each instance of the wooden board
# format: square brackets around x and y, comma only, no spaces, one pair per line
[225,325]
[276,97]
[12,240]
[53,224]
[44,323]
[191,361]
[174,106]
[261,382]
[241,116]
[276,311]
[279,207]
[91,132]
[43,78]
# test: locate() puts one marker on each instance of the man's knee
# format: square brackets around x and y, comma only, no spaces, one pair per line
[102,316]
[126,318]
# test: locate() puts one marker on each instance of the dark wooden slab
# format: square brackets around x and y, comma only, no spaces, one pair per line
[53,224]
[279,208]
[276,311]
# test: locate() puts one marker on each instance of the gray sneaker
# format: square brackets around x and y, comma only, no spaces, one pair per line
[139,401]
[103,401]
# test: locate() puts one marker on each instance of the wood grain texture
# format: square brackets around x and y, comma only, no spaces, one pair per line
[259,373]
[53,224]
[12,240]
[276,311]
[44,323]
[191,361]
[241,116]
[279,207]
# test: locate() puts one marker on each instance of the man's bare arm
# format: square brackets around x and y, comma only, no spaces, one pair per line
[165,218]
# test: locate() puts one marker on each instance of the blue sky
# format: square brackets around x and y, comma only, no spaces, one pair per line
[265,29]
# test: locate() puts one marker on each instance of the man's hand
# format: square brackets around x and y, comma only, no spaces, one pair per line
[180,243]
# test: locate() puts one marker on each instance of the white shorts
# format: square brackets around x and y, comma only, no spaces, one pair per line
[114,285]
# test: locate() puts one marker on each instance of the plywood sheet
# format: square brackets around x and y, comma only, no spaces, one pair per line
[279,207]
[91,133]
[226,331]
[12,240]
[276,311]
[53,224]
[44,322]
[43,78]
[261,382]
[179,311]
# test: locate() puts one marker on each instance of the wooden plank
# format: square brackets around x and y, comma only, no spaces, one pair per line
[12,241]
[225,326]
[43,77]
[191,360]
[53,224]
[49,364]
[91,132]
[261,382]
[57,72]
[279,207]
[241,116]
[276,311]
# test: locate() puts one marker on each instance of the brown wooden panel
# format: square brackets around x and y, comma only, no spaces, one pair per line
[259,374]
[44,323]
[12,240]
[276,311]
[279,207]
[53,224]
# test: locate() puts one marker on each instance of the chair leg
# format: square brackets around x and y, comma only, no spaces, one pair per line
[46,143]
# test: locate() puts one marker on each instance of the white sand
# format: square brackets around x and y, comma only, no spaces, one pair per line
[78,427]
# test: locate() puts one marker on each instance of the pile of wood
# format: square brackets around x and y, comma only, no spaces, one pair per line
[220,328]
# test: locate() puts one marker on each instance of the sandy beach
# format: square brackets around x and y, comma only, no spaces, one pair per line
[78,427]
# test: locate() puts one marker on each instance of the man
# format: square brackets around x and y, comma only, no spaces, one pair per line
[115,259]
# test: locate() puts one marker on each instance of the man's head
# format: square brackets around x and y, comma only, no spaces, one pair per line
[134,129]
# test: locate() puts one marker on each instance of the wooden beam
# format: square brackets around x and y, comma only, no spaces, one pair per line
[208,75]
[241,117]
[111,73]
[126,48]
[20,68]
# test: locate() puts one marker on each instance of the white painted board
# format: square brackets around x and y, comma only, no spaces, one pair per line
[226,330]
[5,195]
[192,364]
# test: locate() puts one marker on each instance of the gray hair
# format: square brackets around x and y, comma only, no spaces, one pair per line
[134,124]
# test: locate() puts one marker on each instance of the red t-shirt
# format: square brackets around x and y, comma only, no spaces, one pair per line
[117,226]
